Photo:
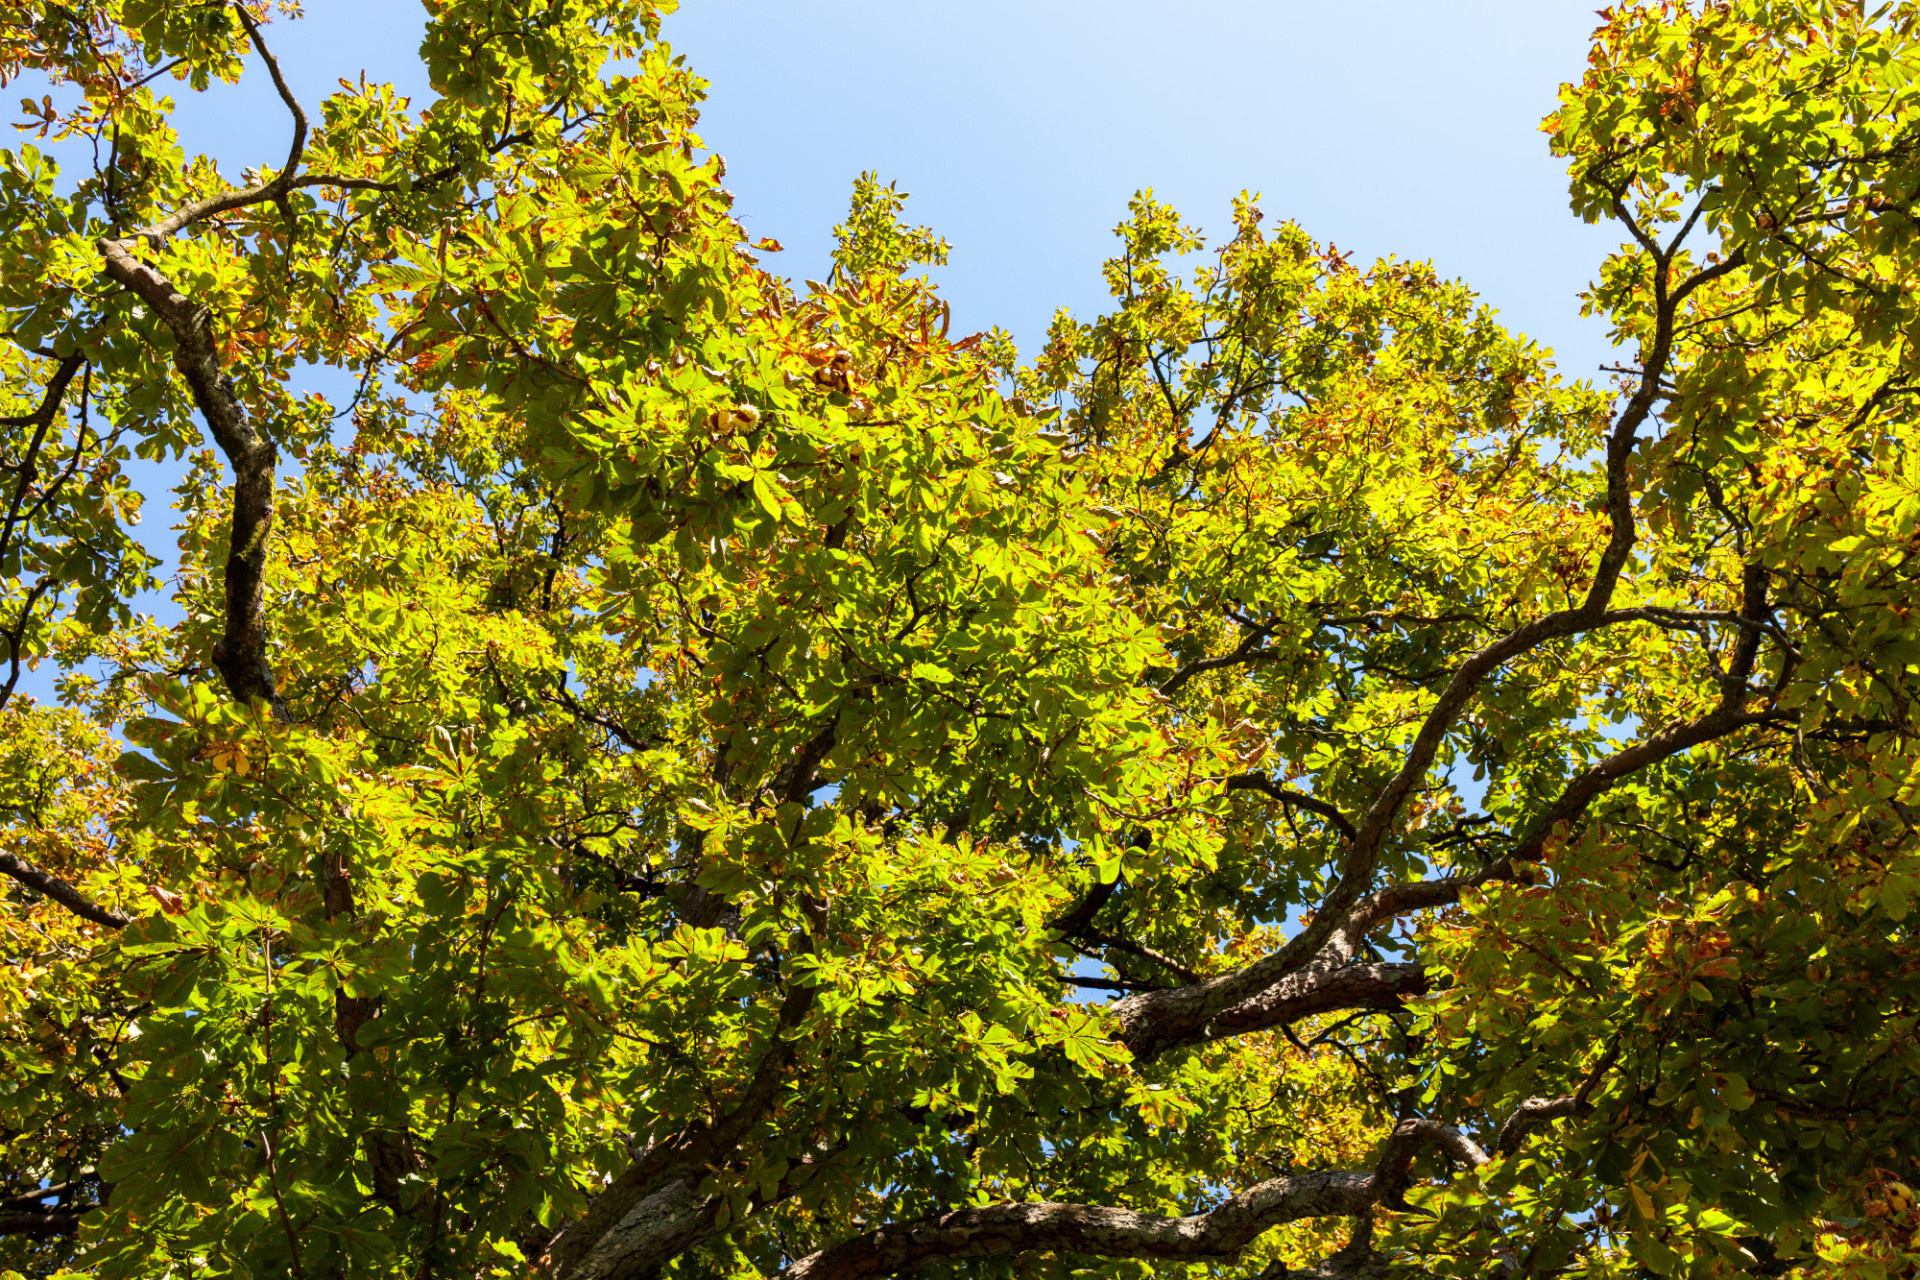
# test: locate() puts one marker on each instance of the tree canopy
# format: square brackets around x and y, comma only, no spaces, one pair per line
[675,772]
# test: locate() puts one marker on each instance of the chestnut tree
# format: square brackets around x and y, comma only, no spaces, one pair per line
[667,771]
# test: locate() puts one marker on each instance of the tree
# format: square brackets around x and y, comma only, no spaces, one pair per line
[684,774]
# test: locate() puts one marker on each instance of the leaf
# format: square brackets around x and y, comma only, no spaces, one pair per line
[767,493]
[405,275]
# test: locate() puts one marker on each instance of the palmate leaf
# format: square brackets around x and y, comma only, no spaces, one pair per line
[405,275]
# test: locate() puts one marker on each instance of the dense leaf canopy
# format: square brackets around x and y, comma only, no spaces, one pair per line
[668,771]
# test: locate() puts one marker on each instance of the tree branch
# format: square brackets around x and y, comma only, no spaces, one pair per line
[1533,1113]
[1089,1229]
[241,654]
[1265,785]
[1293,982]
[298,148]
[1127,946]
[1727,717]
[1364,849]
[41,420]
[653,1211]
[43,1224]
[1156,1022]
[52,886]
[1081,914]
[1249,650]
[276,188]
[34,1199]
[1102,1232]
[1396,1157]
[16,637]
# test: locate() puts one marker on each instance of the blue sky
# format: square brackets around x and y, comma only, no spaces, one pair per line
[1022,126]
[1021,129]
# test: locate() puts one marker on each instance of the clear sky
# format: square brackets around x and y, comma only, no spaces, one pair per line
[1021,127]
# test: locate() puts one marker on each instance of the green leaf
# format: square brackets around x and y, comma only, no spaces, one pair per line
[766,491]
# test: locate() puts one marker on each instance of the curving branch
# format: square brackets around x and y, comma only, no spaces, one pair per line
[1249,650]
[654,1210]
[42,1224]
[1533,1113]
[275,188]
[53,887]
[1728,716]
[27,469]
[1099,1231]
[1311,974]
[1260,781]
[1156,1022]
[1396,1157]
[241,654]
[16,638]
[1362,858]
[1093,1230]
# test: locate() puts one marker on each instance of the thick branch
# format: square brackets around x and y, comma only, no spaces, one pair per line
[241,653]
[1364,849]
[1091,1230]
[1155,1022]
[1533,1113]
[1081,914]
[1101,1232]
[60,891]
[1396,1158]
[798,778]
[1727,717]
[35,1199]
[42,1224]
[652,1211]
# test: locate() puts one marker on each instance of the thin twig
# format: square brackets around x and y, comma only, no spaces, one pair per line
[286,1223]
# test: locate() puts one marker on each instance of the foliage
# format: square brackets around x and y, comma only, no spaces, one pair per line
[664,771]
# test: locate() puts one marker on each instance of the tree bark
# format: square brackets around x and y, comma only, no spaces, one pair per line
[1093,1230]
[42,1224]
[241,653]
[1156,1022]
[62,892]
